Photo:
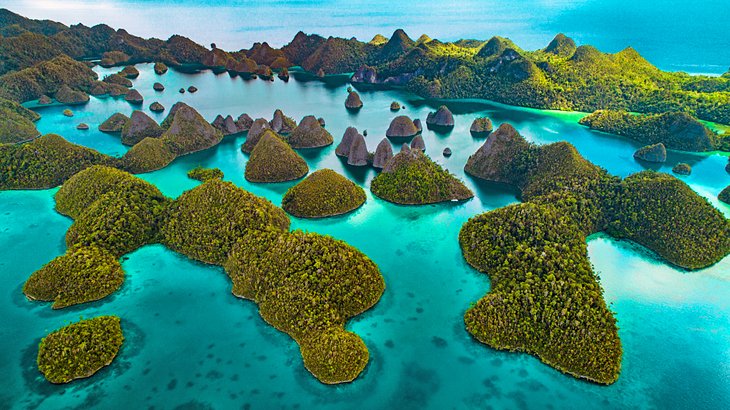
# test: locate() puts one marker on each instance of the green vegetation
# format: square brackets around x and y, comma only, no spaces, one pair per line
[45,162]
[80,349]
[662,213]
[83,189]
[16,122]
[47,77]
[323,193]
[308,286]
[273,160]
[115,123]
[203,174]
[545,299]
[676,130]
[205,222]
[148,155]
[83,274]
[411,178]
[561,76]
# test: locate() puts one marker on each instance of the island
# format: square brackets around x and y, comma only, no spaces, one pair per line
[80,349]
[203,174]
[273,160]
[322,194]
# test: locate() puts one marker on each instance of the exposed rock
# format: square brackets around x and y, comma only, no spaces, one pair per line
[265,72]
[45,100]
[254,134]
[139,127]
[724,195]
[652,153]
[383,154]
[481,127]
[418,143]
[157,107]
[727,167]
[417,123]
[192,89]
[273,160]
[190,132]
[171,115]
[113,58]
[682,169]
[158,87]
[134,97]
[115,123]
[103,88]
[493,161]
[82,127]
[66,95]
[365,74]
[442,118]
[226,125]
[394,106]
[405,148]
[284,74]
[181,91]
[118,79]
[309,134]
[320,73]
[401,127]
[244,122]
[353,101]
[160,68]
[447,152]
[281,124]
[358,155]
[343,149]
[130,72]
[68,113]
[321,122]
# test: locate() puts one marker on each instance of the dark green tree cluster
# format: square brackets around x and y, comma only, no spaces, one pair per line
[662,213]
[323,193]
[309,285]
[45,162]
[545,299]
[205,222]
[676,130]
[80,349]
[81,275]
[273,160]
[203,174]
[412,178]
[16,122]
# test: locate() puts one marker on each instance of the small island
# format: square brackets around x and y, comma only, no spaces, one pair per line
[203,174]
[323,193]
[80,349]
[273,160]
[412,178]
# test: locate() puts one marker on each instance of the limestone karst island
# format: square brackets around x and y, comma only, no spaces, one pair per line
[373,205]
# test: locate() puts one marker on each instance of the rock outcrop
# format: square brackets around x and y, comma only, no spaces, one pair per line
[309,134]
[417,123]
[157,107]
[130,72]
[139,127]
[383,154]
[244,122]
[343,148]
[652,153]
[442,118]
[158,87]
[682,169]
[190,132]
[283,74]
[358,155]
[401,127]
[226,125]
[353,101]
[418,143]
[481,127]
[493,160]
[447,152]
[394,106]
[82,126]
[66,95]
[45,100]
[254,134]
[134,97]
[273,160]
[113,124]
[281,124]
[160,68]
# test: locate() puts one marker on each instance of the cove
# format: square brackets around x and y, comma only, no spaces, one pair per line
[191,343]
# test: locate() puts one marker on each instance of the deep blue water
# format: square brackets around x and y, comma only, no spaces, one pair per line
[191,344]
[676,35]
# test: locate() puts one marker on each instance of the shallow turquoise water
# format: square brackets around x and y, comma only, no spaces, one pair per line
[675,35]
[190,342]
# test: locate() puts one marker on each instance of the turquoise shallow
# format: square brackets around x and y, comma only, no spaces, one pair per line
[191,344]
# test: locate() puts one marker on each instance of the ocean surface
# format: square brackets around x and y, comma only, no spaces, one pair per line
[190,344]
[676,35]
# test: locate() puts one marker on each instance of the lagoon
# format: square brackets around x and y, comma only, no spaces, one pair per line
[191,343]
